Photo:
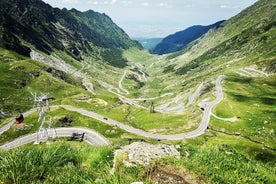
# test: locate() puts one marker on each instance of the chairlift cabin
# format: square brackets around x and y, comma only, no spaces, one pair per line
[19,118]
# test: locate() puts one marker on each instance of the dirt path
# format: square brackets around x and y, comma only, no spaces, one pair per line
[233,119]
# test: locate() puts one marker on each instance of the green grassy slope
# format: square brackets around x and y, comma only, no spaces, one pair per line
[21,76]
[57,163]
[225,164]
[253,28]
[243,49]
[254,103]
[82,163]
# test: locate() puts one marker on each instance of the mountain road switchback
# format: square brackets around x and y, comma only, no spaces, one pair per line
[91,136]
[98,139]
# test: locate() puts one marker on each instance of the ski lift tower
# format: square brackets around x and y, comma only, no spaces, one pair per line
[42,104]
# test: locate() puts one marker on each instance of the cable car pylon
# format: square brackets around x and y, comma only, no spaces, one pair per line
[41,103]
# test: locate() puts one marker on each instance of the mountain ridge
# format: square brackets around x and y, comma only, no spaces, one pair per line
[248,33]
[76,33]
[180,39]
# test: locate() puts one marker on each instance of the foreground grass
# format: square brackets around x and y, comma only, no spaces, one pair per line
[61,163]
[224,164]
[49,164]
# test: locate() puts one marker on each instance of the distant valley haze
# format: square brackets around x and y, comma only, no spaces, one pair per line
[158,18]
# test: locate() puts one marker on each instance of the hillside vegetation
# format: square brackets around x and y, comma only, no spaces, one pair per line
[84,60]
[21,76]
[32,24]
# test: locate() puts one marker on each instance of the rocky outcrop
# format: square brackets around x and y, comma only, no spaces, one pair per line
[141,153]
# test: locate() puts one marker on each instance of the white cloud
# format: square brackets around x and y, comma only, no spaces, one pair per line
[126,3]
[223,6]
[189,6]
[126,13]
[145,4]
[164,5]
[70,1]
[93,2]
[113,1]
[234,7]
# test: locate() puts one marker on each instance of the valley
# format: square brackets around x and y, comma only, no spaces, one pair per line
[199,131]
[214,100]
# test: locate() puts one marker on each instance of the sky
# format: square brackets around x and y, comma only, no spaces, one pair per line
[158,18]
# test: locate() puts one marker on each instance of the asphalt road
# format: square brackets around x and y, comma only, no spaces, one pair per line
[97,139]
[91,136]
[195,133]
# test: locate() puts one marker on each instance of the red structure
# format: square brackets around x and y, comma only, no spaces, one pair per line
[19,119]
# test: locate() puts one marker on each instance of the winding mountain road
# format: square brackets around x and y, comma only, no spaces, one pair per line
[100,140]
[91,136]
[120,83]
[197,132]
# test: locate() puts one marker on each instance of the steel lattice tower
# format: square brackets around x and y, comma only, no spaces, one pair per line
[41,103]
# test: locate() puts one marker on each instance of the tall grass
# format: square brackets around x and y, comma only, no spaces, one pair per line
[62,163]
[41,164]
[224,164]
